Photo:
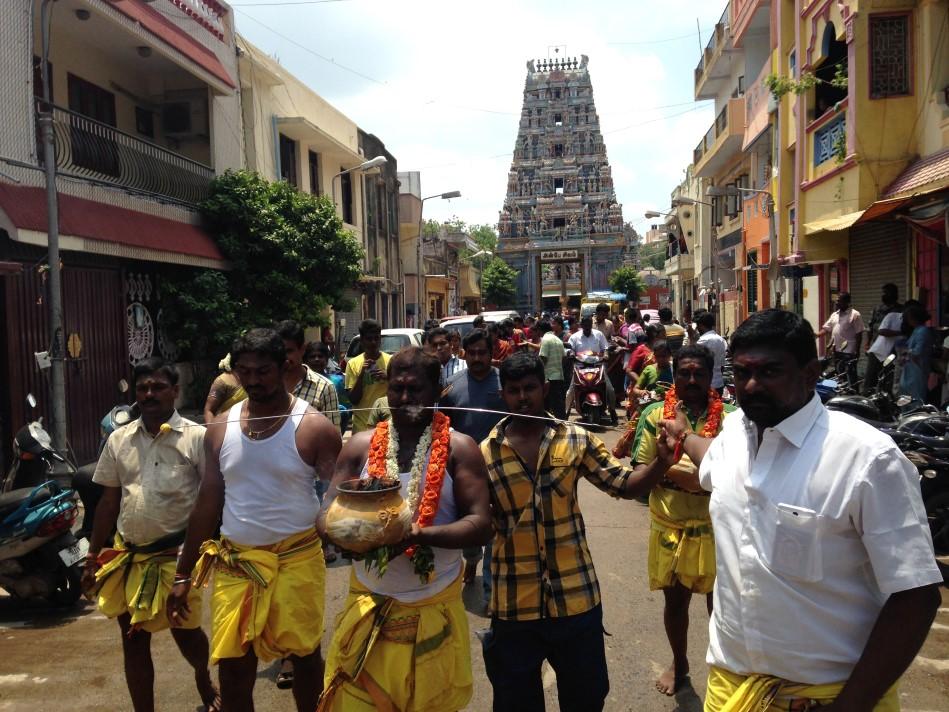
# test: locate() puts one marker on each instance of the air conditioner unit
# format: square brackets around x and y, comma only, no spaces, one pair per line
[184,117]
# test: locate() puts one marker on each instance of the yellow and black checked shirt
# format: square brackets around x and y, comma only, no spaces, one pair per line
[319,391]
[541,566]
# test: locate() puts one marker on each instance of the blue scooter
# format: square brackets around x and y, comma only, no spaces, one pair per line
[39,555]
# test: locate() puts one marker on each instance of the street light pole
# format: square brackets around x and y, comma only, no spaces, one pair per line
[365,166]
[57,371]
[418,254]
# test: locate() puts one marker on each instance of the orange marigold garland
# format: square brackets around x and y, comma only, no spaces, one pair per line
[380,462]
[713,418]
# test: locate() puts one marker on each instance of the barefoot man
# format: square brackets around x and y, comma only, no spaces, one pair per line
[681,546]
[826,580]
[545,602]
[150,470]
[401,642]
[262,458]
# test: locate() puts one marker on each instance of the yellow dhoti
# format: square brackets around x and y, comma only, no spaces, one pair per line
[269,598]
[137,580]
[729,692]
[405,657]
[681,544]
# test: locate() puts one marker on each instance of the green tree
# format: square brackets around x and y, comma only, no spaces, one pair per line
[200,312]
[627,281]
[289,254]
[485,237]
[497,282]
[289,258]
[653,255]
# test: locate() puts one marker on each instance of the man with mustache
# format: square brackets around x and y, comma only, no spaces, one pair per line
[150,470]
[263,457]
[681,546]
[401,642]
[472,399]
[826,579]
[545,600]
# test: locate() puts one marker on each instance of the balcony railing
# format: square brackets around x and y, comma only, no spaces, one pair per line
[90,149]
[718,127]
[718,34]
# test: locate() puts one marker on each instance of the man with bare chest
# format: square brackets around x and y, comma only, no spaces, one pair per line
[263,456]
[401,642]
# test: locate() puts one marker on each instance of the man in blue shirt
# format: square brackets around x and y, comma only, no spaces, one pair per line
[478,386]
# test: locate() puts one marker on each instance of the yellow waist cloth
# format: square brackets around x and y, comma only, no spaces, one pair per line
[270,598]
[681,544]
[729,692]
[139,584]
[405,657]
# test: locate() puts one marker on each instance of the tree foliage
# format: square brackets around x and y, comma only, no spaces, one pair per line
[653,255]
[200,312]
[485,237]
[497,283]
[627,281]
[289,258]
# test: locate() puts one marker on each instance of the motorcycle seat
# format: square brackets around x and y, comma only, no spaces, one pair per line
[9,501]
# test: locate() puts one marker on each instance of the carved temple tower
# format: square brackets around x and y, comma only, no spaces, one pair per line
[561,227]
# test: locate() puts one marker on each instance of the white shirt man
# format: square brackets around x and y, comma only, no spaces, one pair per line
[593,342]
[719,347]
[845,327]
[883,345]
[806,563]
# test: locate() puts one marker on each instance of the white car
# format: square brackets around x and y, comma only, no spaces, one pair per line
[392,341]
[464,324]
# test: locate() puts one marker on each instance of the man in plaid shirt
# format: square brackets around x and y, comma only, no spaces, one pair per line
[301,380]
[545,600]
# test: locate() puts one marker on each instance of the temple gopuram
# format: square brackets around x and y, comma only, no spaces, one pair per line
[561,227]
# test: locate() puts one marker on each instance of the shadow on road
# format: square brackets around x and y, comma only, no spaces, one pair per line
[15,613]
[687,699]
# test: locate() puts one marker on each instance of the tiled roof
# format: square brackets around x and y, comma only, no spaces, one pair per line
[931,169]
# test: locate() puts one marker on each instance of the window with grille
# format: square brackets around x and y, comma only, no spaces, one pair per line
[889,56]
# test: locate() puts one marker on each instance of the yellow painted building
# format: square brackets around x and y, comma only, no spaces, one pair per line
[878,105]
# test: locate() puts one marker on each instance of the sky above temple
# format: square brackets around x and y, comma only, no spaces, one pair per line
[441,83]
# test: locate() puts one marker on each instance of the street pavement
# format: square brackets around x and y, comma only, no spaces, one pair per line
[52,659]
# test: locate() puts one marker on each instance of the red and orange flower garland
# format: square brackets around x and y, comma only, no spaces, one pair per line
[713,420]
[434,475]
[713,417]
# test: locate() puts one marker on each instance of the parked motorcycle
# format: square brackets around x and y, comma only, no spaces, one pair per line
[930,454]
[880,409]
[39,555]
[589,387]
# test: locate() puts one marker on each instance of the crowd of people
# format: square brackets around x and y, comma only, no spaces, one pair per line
[802,527]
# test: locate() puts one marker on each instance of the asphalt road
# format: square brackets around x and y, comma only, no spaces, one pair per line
[51,659]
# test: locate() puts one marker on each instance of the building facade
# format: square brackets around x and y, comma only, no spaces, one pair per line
[561,227]
[827,165]
[383,285]
[291,133]
[145,112]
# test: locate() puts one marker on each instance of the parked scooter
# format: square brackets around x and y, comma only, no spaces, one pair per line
[589,387]
[39,555]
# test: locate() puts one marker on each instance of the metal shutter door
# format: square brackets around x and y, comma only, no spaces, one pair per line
[878,254]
